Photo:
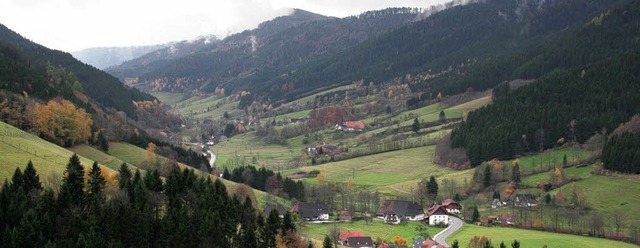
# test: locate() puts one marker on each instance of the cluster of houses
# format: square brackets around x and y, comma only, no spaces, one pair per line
[391,211]
[350,126]
[517,200]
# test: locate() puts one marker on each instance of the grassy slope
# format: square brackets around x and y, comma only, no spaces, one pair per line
[391,172]
[376,229]
[530,238]
[18,147]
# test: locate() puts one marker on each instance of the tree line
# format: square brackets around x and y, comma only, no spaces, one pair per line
[139,210]
[266,180]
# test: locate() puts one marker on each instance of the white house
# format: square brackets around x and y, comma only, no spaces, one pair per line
[437,215]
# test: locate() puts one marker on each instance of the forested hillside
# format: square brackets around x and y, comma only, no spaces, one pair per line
[25,65]
[570,104]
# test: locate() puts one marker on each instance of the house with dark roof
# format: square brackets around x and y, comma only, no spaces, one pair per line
[270,207]
[437,215]
[524,201]
[345,235]
[395,211]
[451,206]
[360,242]
[505,219]
[311,211]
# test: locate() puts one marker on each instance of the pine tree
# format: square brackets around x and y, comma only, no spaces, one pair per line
[564,161]
[97,183]
[152,181]
[432,188]
[327,243]
[16,180]
[31,179]
[103,142]
[502,245]
[476,215]
[287,223]
[455,244]
[416,125]
[442,117]
[515,244]
[271,228]
[486,182]
[515,175]
[124,177]
[71,191]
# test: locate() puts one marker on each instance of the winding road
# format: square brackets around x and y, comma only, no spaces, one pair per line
[441,237]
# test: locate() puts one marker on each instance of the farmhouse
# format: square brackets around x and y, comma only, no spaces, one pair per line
[350,126]
[505,219]
[345,235]
[311,211]
[270,207]
[360,242]
[430,243]
[451,206]
[395,211]
[437,215]
[524,201]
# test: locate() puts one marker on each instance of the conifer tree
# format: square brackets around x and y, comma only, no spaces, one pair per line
[486,182]
[152,181]
[416,125]
[72,189]
[97,183]
[31,179]
[287,223]
[124,177]
[16,180]
[515,175]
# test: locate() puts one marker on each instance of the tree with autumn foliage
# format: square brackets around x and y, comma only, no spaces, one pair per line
[59,121]
[479,242]
[399,241]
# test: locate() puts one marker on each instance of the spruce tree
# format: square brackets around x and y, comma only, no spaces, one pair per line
[31,179]
[515,175]
[455,244]
[327,243]
[97,183]
[287,223]
[16,180]
[515,244]
[476,215]
[71,191]
[486,182]
[416,125]
[152,181]
[124,177]
[432,188]
[103,142]
[442,117]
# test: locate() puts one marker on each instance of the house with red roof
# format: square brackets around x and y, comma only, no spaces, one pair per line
[451,206]
[350,126]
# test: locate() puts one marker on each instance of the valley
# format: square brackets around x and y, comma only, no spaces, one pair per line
[519,117]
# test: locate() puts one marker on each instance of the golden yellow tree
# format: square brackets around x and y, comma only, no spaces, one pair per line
[61,122]
[151,152]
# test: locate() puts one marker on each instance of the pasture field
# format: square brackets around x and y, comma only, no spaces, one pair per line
[375,229]
[18,147]
[530,238]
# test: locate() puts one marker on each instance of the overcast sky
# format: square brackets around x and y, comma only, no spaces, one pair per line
[72,25]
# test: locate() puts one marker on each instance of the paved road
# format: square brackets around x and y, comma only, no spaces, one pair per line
[453,227]
[212,161]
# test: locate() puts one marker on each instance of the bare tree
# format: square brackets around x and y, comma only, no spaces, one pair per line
[596,224]
[619,220]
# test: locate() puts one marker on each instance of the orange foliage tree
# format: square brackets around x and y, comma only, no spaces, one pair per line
[61,122]
[399,240]
[479,242]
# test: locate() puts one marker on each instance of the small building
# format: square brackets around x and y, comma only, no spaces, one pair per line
[395,211]
[451,206]
[418,242]
[437,215]
[524,200]
[350,126]
[311,211]
[360,242]
[505,219]
[496,203]
[270,207]
[430,243]
[345,217]
[345,235]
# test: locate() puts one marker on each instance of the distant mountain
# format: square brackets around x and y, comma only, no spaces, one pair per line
[291,56]
[104,57]
[24,66]
[276,47]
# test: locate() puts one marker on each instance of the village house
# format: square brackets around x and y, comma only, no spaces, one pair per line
[437,215]
[451,206]
[496,203]
[524,201]
[504,219]
[430,243]
[395,211]
[311,211]
[270,207]
[344,236]
[350,126]
[345,217]
[360,242]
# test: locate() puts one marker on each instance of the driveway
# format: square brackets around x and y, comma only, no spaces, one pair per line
[453,227]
